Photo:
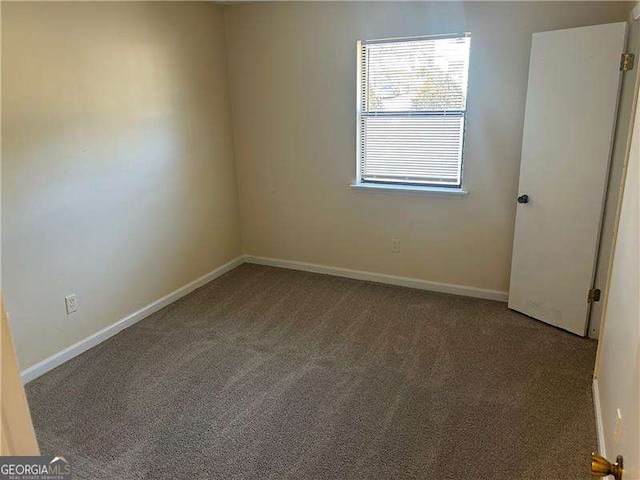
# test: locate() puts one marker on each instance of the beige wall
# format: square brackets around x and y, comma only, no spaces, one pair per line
[118,179]
[292,73]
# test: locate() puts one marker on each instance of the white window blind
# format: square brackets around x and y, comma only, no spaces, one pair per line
[412,107]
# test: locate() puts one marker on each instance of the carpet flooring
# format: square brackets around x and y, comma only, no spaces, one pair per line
[268,373]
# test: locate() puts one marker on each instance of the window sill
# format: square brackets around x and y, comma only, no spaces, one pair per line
[411,190]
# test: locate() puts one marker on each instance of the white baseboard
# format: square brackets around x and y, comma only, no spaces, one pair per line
[382,278]
[83,345]
[602,450]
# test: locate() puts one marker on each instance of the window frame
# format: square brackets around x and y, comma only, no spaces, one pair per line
[440,190]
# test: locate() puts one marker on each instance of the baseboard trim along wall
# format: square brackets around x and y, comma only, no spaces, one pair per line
[602,450]
[382,278]
[91,341]
[82,346]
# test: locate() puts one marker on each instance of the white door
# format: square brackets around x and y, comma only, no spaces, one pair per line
[572,95]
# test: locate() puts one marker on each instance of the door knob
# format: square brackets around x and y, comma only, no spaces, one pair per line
[523,199]
[601,467]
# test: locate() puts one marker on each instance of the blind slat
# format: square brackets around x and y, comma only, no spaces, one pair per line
[413,97]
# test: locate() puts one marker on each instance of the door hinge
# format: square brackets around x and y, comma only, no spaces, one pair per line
[593,295]
[627,61]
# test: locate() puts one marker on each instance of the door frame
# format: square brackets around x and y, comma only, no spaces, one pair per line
[623,177]
[618,159]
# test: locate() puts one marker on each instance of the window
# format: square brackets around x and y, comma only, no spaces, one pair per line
[412,109]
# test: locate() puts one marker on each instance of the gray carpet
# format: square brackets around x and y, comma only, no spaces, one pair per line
[272,373]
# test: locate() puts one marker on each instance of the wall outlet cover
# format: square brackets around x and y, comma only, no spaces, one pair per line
[71,303]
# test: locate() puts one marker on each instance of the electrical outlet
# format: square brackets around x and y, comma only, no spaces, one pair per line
[395,245]
[71,303]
